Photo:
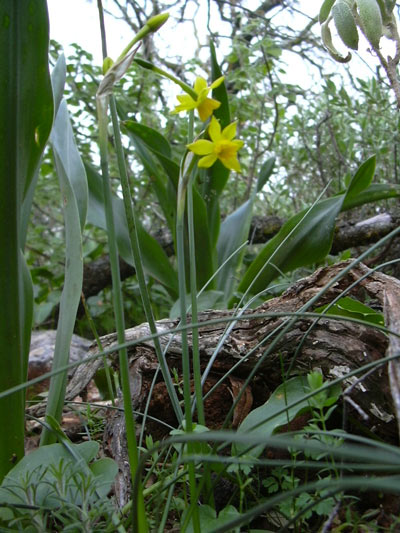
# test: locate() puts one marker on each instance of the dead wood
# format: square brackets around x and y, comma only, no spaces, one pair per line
[336,347]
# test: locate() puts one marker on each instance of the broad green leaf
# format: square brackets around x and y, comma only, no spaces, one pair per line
[204,257]
[234,232]
[264,174]
[209,520]
[374,193]
[68,159]
[58,82]
[104,471]
[58,77]
[136,130]
[264,421]
[348,307]
[165,190]
[362,178]
[155,260]
[304,239]
[26,115]
[214,217]
[26,311]
[152,138]
[219,93]
[26,81]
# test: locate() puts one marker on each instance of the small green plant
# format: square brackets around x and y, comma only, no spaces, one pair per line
[58,484]
[273,418]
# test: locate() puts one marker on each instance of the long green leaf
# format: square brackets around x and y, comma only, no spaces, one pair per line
[26,113]
[234,231]
[307,237]
[304,239]
[152,138]
[158,145]
[219,93]
[362,178]
[204,259]
[74,193]
[218,173]
[58,81]
[164,189]
[374,193]
[264,421]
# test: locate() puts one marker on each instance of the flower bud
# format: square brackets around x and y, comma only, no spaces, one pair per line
[154,23]
[107,64]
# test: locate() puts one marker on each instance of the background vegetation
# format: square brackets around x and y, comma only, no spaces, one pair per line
[307,151]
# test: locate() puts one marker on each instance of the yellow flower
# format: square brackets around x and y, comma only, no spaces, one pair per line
[222,146]
[204,105]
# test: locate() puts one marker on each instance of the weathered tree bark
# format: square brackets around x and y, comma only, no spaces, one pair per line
[258,344]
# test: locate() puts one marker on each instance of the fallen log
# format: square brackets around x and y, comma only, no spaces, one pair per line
[261,344]
[336,347]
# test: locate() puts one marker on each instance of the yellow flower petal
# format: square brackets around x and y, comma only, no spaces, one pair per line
[207,161]
[214,130]
[237,144]
[185,99]
[229,132]
[217,82]
[207,107]
[201,147]
[204,105]
[222,146]
[200,84]
[231,162]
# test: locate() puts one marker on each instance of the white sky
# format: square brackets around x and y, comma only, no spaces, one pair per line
[77,21]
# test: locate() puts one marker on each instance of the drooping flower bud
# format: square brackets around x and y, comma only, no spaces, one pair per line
[154,23]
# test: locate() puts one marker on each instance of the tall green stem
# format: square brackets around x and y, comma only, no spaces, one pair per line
[102,104]
[132,227]
[133,454]
[180,219]
[198,393]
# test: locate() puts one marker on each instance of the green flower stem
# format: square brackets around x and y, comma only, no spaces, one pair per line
[193,290]
[184,178]
[180,222]
[184,86]
[152,25]
[132,227]
[102,105]
[133,454]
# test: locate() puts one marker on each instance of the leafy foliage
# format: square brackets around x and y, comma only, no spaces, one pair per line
[307,155]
